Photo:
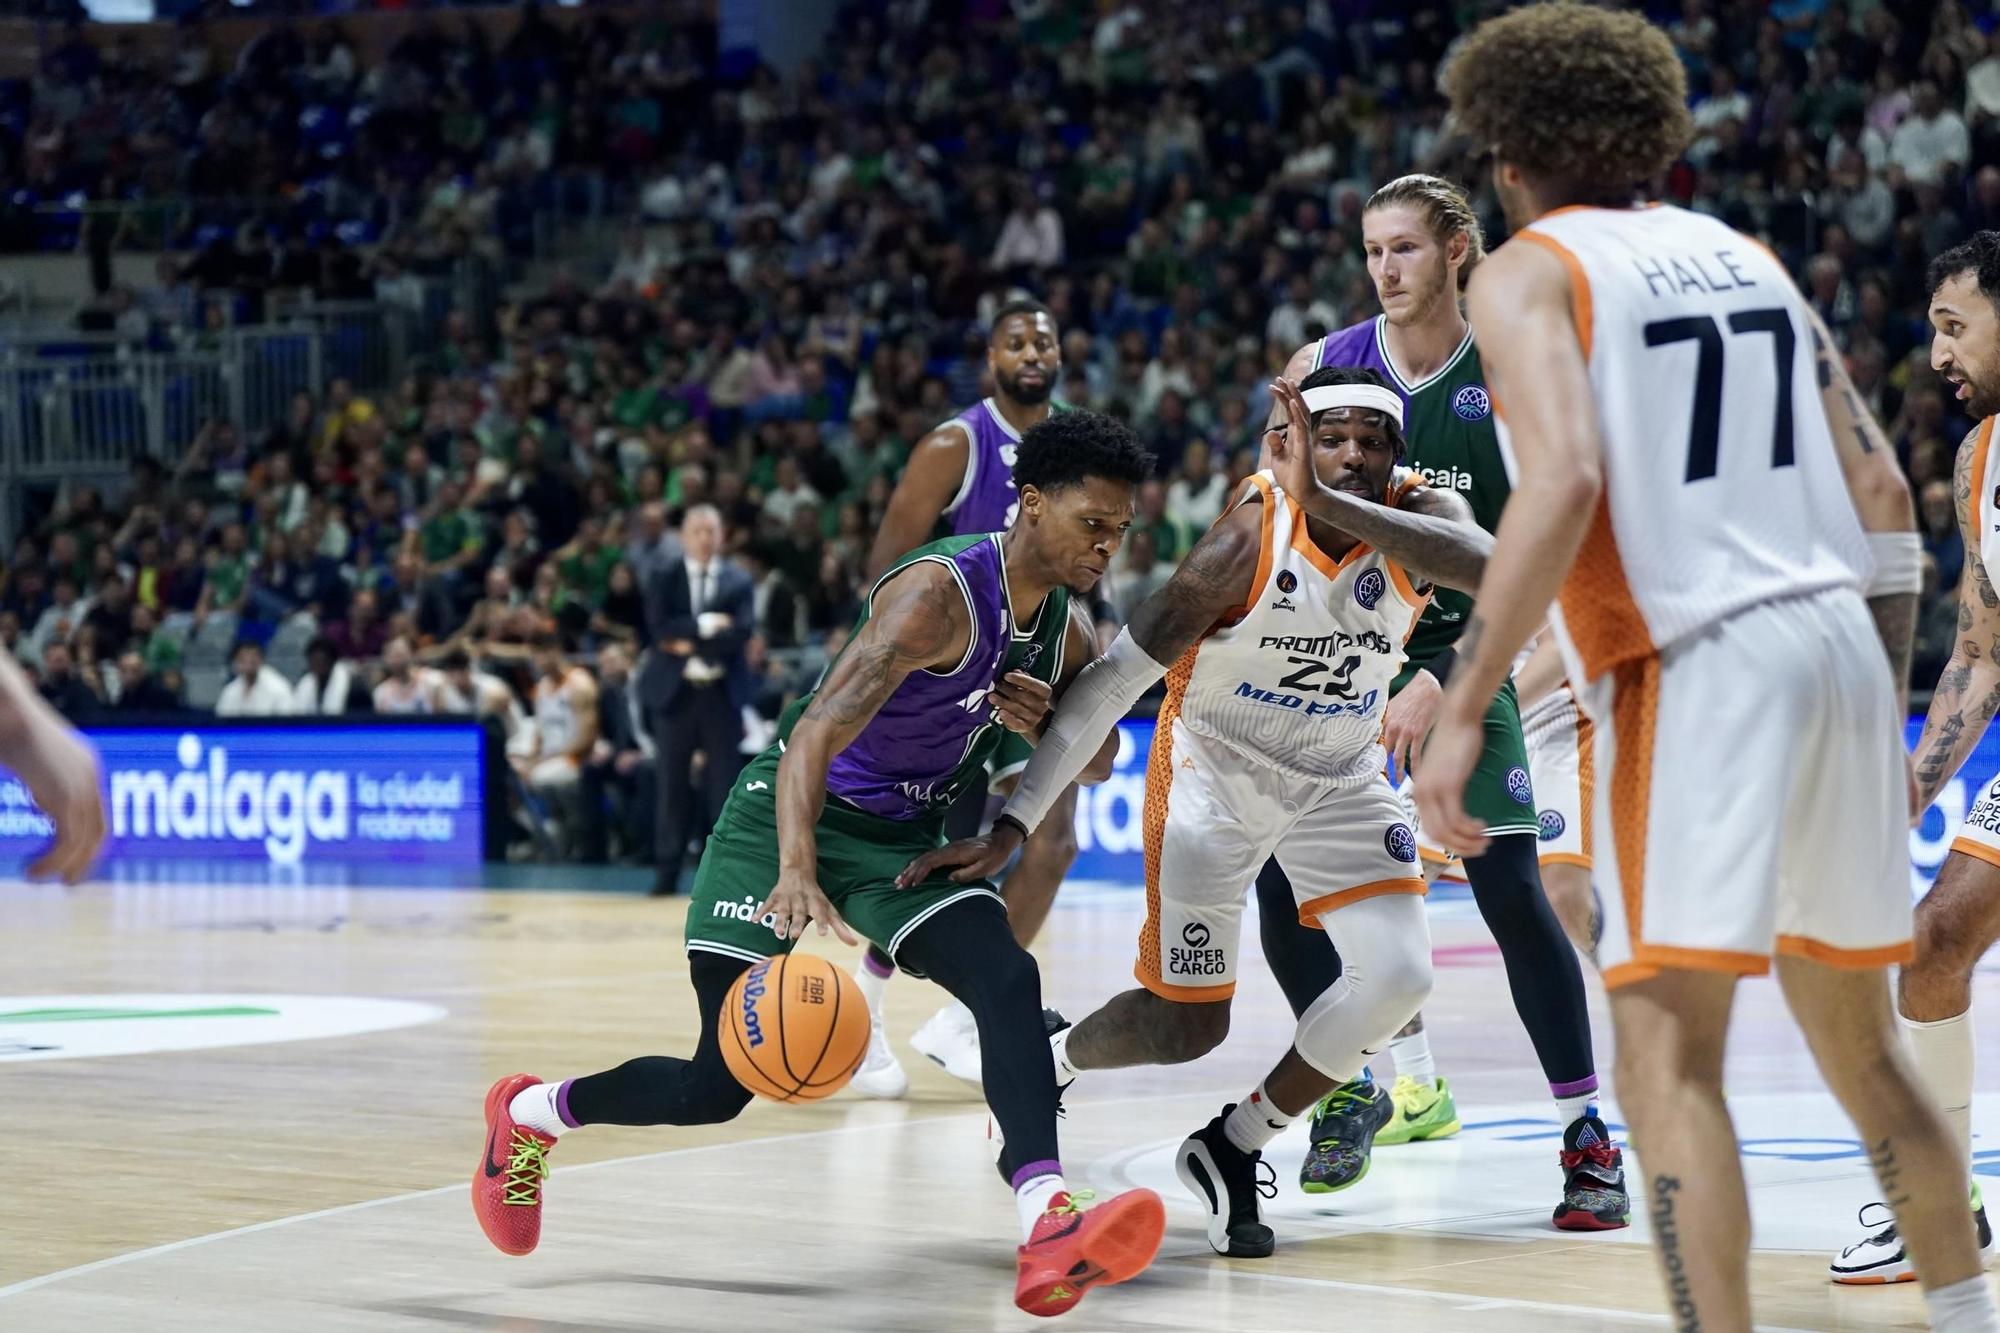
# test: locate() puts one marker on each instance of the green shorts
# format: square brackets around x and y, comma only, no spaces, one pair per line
[1499,791]
[1009,757]
[860,856]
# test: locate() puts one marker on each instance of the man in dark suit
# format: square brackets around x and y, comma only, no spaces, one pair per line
[699,615]
[618,775]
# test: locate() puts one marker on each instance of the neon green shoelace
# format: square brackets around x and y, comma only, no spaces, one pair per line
[1077,1198]
[1341,1098]
[526,1170]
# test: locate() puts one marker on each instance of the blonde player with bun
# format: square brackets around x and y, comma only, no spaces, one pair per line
[1715,519]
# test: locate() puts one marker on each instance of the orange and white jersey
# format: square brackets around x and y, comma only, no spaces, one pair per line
[1299,680]
[1722,484]
[1985,479]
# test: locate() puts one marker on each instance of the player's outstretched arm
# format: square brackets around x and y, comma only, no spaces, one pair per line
[936,471]
[1431,532]
[919,619]
[1519,305]
[1210,584]
[60,771]
[1881,498]
[1968,692]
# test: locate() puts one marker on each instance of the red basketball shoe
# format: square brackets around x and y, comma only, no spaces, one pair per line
[1073,1251]
[507,1186]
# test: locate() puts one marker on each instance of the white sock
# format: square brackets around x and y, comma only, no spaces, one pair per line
[1033,1200]
[961,1015]
[1943,1055]
[535,1107]
[1059,1047]
[1255,1121]
[1569,1110]
[872,987]
[1412,1055]
[1963,1307]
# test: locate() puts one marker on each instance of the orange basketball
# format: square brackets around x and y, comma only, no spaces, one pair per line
[794,1029]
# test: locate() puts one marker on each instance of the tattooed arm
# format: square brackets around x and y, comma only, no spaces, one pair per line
[919,619]
[1430,532]
[1968,693]
[1881,495]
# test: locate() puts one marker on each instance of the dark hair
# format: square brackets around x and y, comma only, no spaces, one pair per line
[322,644]
[1355,375]
[456,660]
[1067,448]
[1604,108]
[1979,256]
[241,644]
[1024,305]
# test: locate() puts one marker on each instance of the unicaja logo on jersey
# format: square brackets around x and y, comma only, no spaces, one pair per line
[743,911]
[1401,843]
[1472,404]
[1551,825]
[1518,786]
[1368,589]
[1446,478]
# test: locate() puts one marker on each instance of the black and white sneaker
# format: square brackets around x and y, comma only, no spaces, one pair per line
[1227,1181]
[1881,1257]
[1052,1023]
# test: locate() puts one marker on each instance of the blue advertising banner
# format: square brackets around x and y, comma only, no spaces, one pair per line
[280,795]
[1110,828]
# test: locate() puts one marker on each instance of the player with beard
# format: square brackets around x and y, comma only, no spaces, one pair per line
[1422,242]
[960,480]
[1959,918]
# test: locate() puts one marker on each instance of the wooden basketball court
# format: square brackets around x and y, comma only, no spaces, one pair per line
[166,1175]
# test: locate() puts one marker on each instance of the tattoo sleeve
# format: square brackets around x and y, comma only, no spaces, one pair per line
[1432,534]
[1213,581]
[1968,692]
[920,619]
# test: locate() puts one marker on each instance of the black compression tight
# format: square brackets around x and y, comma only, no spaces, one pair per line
[665,1089]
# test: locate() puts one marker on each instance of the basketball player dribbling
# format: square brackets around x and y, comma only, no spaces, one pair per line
[1422,241]
[960,480]
[961,639]
[1959,918]
[1285,626]
[1728,546]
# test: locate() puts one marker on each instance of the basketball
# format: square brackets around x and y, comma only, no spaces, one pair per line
[794,1029]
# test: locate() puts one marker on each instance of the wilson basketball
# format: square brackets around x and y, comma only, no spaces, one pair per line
[794,1029]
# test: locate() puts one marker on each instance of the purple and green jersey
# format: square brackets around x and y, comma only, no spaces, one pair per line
[932,736]
[1448,425]
[986,499]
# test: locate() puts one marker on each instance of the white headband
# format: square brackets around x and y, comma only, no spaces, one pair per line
[1370,397]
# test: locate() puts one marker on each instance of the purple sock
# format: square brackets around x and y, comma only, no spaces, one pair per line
[880,968]
[562,1105]
[1045,1167]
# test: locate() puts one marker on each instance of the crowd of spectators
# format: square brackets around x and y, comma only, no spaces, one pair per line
[802,290]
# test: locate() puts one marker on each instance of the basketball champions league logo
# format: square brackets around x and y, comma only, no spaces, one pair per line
[1368,589]
[1472,404]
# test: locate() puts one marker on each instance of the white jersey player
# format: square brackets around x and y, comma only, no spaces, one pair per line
[1284,633]
[1706,504]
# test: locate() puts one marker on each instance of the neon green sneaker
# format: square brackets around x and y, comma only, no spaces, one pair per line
[1421,1112]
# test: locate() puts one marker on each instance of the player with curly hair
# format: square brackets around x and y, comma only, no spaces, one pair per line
[1728,546]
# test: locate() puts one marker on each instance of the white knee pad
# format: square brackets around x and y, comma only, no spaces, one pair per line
[1385,958]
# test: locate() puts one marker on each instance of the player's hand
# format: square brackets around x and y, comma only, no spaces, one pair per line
[1021,703]
[1409,719]
[1449,759]
[1291,448]
[976,858]
[60,771]
[794,901]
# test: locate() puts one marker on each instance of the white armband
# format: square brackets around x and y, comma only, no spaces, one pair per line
[1101,694]
[1899,563]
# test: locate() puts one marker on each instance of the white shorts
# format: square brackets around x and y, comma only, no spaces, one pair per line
[1213,817]
[1563,770]
[1755,803]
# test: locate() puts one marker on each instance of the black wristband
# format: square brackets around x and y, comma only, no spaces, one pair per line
[1441,665]
[1004,818]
